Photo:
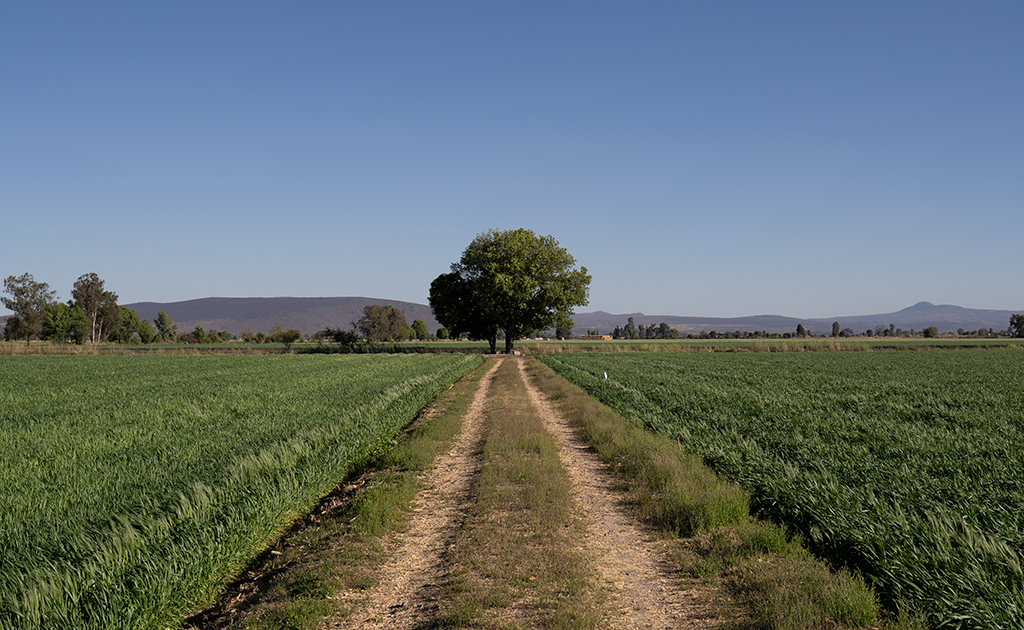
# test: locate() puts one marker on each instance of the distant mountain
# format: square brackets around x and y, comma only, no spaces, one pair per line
[605,323]
[309,315]
[946,317]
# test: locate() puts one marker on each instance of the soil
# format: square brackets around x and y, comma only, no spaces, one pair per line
[409,587]
[646,589]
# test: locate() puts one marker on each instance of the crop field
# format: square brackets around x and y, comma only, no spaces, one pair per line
[907,466]
[133,487]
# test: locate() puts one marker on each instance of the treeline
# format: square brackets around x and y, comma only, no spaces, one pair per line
[91,315]
[632,331]
[381,324]
[663,331]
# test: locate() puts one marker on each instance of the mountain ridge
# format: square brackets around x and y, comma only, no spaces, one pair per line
[311,314]
[307,314]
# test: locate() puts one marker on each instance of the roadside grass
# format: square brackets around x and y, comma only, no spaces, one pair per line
[710,532]
[340,546]
[516,563]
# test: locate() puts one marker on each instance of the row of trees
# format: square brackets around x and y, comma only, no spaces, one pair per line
[632,331]
[381,323]
[1016,329]
[91,315]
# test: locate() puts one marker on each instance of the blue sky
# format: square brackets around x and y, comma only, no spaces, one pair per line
[709,159]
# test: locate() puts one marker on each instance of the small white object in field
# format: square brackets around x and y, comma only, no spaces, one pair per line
[606,376]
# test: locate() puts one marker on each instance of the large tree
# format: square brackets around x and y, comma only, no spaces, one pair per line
[165,328]
[453,300]
[1017,325]
[419,330]
[29,300]
[130,325]
[65,324]
[99,306]
[514,281]
[383,323]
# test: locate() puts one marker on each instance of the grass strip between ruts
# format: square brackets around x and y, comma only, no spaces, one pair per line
[516,560]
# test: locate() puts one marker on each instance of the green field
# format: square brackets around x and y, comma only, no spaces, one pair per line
[907,466]
[133,487]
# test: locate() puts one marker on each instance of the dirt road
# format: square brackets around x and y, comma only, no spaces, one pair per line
[643,589]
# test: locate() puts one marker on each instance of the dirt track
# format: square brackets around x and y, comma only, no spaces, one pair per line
[407,596]
[644,592]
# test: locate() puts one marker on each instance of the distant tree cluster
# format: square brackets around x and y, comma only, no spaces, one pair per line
[92,315]
[277,334]
[632,331]
[201,335]
[383,323]
[878,331]
[379,323]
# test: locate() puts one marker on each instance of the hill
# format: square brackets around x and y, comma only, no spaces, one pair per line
[309,315]
[606,322]
[946,317]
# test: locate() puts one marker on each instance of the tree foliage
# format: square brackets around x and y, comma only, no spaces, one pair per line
[12,328]
[383,323]
[454,302]
[346,338]
[29,300]
[98,304]
[419,329]
[1017,325]
[513,281]
[165,328]
[65,324]
[632,331]
[288,337]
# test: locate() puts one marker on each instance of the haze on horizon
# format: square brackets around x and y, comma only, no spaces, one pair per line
[710,160]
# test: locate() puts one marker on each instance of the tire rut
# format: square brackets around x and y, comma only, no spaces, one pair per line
[644,591]
[411,584]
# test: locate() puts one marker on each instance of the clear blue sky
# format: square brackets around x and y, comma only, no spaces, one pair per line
[810,159]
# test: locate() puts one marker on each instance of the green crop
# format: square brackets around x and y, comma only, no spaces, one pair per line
[133,487]
[905,466]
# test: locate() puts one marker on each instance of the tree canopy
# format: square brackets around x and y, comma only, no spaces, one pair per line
[29,301]
[383,323]
[513,281]
[65,324]
[1017,325]
[419,329]
[100,306]
[165,328]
